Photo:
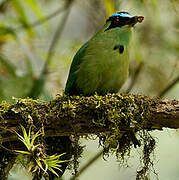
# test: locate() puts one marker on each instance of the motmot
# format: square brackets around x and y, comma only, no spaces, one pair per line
[101,65]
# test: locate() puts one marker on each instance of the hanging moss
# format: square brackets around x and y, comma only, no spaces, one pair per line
[121,115]
[115,112]
[146,157]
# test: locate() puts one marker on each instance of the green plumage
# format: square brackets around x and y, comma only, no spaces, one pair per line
[101,65]
[98,66]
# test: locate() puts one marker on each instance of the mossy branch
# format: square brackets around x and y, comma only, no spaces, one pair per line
[77,115]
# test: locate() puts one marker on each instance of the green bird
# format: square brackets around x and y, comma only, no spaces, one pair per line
[101,65]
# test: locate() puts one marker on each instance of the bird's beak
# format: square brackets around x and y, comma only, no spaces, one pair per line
[136,19]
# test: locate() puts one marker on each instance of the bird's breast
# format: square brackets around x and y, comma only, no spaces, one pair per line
[104,67]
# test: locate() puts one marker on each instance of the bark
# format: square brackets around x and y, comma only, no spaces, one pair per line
[164,113]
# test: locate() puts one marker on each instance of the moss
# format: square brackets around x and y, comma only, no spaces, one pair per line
[28,108]
[4,107]
[115,112]
[122,115]
[118,112]
[128,112]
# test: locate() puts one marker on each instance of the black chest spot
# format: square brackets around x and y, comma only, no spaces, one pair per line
[120,48]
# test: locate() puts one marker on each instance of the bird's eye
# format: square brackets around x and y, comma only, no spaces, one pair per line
[116,21]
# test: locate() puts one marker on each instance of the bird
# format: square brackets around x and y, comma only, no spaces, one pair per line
[101,65]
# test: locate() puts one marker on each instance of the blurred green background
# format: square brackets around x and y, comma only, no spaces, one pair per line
[38,40]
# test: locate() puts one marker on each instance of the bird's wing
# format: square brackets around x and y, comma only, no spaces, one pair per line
[71,88]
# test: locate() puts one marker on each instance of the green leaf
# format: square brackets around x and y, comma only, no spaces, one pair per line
[26,138]
[29,134]
[46,167]
[39,164]
[20,11]
[34,147]
[53,162]
[4,30]
[24,141]
[35,136]
[30,166]
[56,167]
[110,7]
[23,152]
[52,157]
[36,9]
[50,169]
[22,16]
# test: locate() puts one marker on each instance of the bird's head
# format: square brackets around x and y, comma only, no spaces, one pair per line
[122,19]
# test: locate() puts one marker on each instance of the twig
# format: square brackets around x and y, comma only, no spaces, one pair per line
[165,90]
[8,150]
[91,161]
[43,20]
[38,83]
[56,38]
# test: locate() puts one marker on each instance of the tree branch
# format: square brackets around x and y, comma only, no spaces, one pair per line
[87,165]
[65,115]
